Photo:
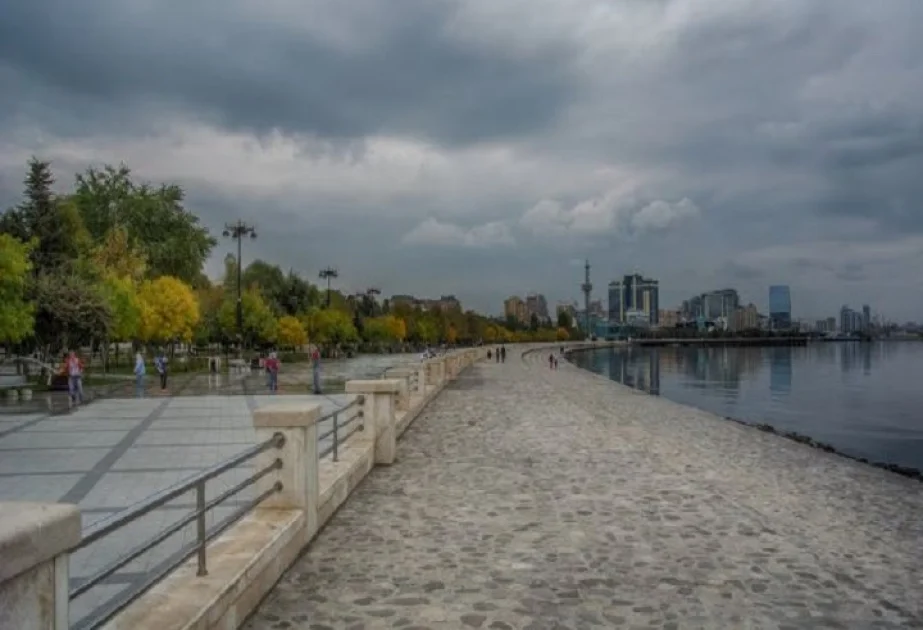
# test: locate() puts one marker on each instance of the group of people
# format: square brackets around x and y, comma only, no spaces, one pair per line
[160,365]
[499,353]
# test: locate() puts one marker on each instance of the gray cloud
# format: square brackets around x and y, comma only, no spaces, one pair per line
[392,70]
[478,147]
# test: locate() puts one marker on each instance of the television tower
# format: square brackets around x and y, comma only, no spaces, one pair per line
[587,288]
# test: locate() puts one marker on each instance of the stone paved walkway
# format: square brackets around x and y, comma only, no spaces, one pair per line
[531,498]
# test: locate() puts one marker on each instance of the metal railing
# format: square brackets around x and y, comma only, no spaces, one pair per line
[98,531]
[349,418]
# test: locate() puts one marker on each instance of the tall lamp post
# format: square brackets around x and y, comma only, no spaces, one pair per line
[327,273]
[238,231]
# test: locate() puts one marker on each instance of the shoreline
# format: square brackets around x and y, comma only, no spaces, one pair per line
[904,471]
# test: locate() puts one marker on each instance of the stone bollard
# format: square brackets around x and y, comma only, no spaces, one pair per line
[12,395]
[403,375]
[378,410]
[25,394]
[34,575]
[297,422]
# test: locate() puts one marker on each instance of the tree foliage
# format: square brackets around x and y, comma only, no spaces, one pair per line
[330,326]
[169,310]
[69,313]
[259,323]
[155,220]
[291,332]
[17,313]
[121,295]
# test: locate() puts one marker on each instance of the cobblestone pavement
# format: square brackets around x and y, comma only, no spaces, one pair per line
[530,498]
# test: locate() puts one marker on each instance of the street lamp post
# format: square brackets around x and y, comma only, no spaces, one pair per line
[327,273]
[238,231]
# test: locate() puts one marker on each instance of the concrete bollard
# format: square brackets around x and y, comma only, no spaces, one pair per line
[25,394]
[297,422]
[402,402]
[378,410]
[12,395]
[34,574]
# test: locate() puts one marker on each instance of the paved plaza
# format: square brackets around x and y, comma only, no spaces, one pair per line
[112,453]
[524,497]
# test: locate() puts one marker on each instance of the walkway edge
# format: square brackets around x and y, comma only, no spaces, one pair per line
[248,560]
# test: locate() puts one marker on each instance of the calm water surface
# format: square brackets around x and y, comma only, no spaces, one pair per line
[865,399]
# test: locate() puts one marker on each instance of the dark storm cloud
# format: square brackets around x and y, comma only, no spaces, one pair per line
[226,62]
[793,126]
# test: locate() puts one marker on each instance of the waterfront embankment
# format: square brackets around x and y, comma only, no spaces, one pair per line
[528,497]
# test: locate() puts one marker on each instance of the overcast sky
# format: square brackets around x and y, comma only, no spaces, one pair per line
[486,147]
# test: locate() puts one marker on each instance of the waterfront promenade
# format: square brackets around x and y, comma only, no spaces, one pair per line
[529,498]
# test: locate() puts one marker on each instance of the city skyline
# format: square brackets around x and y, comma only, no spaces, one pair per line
[791,157]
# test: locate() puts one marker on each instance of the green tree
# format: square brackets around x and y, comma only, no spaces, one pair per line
[564,320]
[259,324]
[330,326]
[17,313]
[169,236]
[69,313]
[54,223]
[122,297]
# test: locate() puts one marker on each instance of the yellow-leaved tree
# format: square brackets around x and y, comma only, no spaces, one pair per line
[291,332]
[169,310]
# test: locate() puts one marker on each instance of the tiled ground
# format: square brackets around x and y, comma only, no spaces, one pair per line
[530,498]
[112,453]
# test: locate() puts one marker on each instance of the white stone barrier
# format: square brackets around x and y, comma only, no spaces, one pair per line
[245,561]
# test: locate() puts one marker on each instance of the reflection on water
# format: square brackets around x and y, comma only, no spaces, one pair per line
[863,398]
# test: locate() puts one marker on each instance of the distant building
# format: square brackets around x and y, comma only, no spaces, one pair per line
[444,303]
[514,307]
[866,318]
[780,307]
[720,303]
[744,318]
[538,306]
[850,321]
[634,294]
[668,318]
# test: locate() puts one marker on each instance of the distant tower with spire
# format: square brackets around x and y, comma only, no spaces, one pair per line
[587,288]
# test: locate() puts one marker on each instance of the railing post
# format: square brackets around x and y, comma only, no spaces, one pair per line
[200,527]
[336,438]
[34,539]
[297,422]
[403,375]
[378,412]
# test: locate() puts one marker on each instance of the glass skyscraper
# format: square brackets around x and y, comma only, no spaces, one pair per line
[634,294]
[780,307]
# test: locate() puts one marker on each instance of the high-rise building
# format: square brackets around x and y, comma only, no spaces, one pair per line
[780,307]
[744,318]
[515,308]
[538,306]
[634,294]
[851,321]
[866,317]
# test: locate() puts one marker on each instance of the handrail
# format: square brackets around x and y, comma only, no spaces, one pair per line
[196,482]
[334,431]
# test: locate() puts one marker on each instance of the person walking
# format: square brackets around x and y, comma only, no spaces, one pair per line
[74,368]
[502,354]
[551,361]
[498,355]
[161,364]
[272,366]
[315,369]
[140,371]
